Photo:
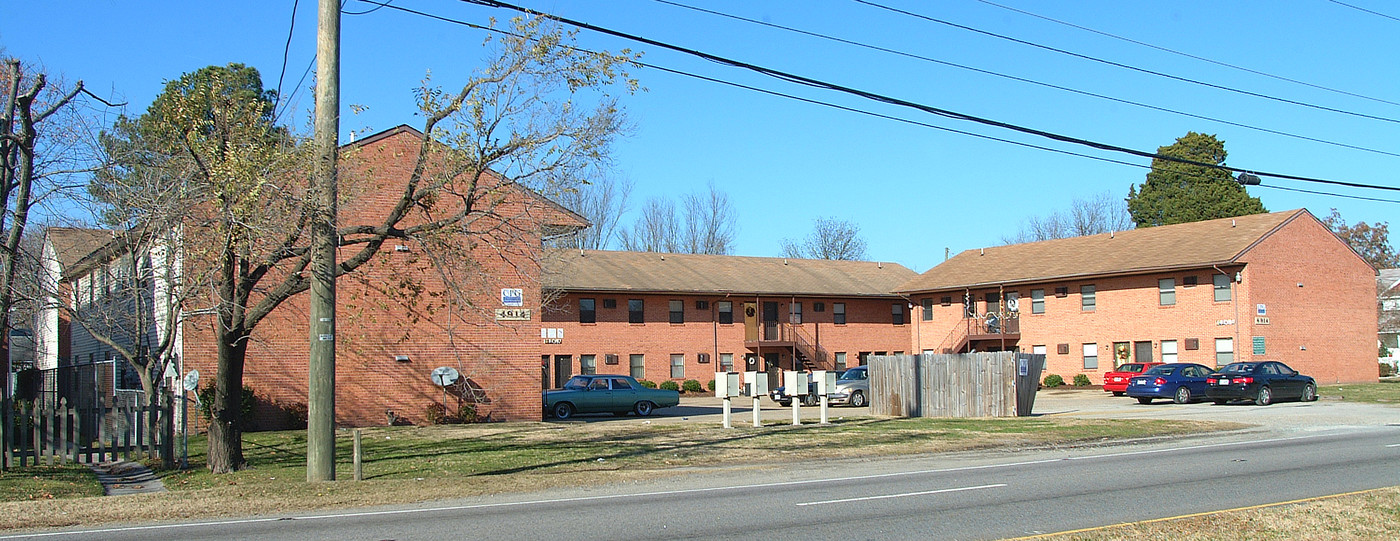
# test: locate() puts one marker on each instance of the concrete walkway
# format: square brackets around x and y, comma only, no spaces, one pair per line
[125,477]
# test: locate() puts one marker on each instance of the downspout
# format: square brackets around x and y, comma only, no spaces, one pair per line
[1234,300]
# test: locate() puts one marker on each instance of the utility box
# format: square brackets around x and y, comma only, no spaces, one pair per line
[825,382]
[756,383]
[795,383]
[727,385]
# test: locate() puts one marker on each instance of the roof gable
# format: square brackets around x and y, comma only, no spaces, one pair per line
[1179,246]
[72,244]
[599,270]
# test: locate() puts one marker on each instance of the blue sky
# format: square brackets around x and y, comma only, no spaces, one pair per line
[914,191]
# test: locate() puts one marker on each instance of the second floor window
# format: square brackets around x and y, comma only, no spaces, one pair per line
[927,306]
[897,313]
[726,311]
[795,313]
[1222,287]
[1087,298]
[587,311]
[1037,301]
[1166,291]
[635,312]
[677,311]
[838,313]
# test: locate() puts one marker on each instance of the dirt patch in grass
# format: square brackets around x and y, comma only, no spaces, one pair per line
[415,464]
[1369,515]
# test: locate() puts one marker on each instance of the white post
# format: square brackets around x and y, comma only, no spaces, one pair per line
[727,423]
[796,411]
[824,421]
[757,423]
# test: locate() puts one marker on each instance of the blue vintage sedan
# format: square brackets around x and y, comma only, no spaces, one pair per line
[1181,382]
[605,393]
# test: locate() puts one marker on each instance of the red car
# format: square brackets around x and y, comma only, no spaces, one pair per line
[1116,382]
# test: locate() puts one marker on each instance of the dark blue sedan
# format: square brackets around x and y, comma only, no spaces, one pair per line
[1181,382]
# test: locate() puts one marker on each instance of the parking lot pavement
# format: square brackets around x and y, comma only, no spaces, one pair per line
[1326,413]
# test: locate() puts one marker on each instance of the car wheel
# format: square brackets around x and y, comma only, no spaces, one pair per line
[563,410]
[809,400]
[1119,393]
[1265,396]
[1220,402]
[858,399]
[1182,396]
[784,403]
[643,408]
[1144,400]
[1309,393]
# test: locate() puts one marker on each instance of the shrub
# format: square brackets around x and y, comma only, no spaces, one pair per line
[436,414]
[1053,380]
[1387,370]
[1081,380]
[693,386]
[647,383]
[206,397]
[711,385]
[670,386]
[466,413]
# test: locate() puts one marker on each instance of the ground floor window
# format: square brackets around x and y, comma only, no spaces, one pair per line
[1224,351]
[677,365]
[1169,351]
[588,364]
[840,360]
[1091,356]
[726,362]
[1040,350]
[639,365]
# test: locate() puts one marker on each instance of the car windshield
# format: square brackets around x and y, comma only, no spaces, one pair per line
[576,383]
[854,373]
[1160,370]
[1130,367]
[1237,368]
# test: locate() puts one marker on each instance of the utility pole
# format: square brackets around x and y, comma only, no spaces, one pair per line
[320,423]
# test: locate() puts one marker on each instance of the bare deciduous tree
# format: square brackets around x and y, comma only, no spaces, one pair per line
[709,223]
[653,231]
[602,201]
[1102,213]
[831,238]
[213,133]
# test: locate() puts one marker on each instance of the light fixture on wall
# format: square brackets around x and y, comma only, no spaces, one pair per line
[401,358]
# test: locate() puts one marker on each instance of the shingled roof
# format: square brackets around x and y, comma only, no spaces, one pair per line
[72,244]
[596,270]
[1150,249]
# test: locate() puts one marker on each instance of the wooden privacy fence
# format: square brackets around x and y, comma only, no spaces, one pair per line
[998,384]
[35,433]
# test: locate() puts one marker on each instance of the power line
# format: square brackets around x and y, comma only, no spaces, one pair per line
[874,114]
[1188,55]
[913,105]
[286,50]
[1358,8]
[1120,64]
[1029,81]
[370,10]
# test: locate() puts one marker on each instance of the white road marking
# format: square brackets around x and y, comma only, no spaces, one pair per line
[643,494]
[1394,445]
[888,496]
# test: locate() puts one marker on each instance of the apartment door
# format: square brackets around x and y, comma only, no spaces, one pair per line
[770,320]
[772,363]
[563,369]
[751,321]
[1142,352]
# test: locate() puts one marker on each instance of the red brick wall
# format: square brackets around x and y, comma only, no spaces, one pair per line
[1320,301]
[1332,316]
[869,328]
[398,305]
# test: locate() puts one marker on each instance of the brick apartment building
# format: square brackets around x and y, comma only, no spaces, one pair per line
[397,319]
[676,317]
[1276,286]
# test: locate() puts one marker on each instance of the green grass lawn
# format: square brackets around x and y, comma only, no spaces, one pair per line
[1385,392]
[48,483]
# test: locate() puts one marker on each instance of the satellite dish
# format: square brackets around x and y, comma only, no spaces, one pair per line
[192,380]
[445,375]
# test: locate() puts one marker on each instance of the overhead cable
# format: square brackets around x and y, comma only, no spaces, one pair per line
[913,105]
[1122,65]
[1029,81]
[1189,55]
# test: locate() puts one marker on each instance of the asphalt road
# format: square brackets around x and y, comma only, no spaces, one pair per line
[961,496]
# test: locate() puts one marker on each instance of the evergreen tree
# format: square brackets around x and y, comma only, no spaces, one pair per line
[1177,192]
